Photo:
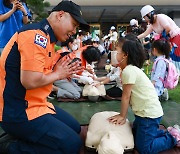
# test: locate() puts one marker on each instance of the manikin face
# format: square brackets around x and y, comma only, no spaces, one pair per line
[65,26]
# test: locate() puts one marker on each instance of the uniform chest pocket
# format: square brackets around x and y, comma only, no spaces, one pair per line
[48,61]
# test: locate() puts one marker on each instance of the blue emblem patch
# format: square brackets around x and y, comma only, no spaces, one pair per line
[40,40]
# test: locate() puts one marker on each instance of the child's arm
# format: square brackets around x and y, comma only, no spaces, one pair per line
[105,81]
[159,71]
[100,78]
[121,118]
[102,81]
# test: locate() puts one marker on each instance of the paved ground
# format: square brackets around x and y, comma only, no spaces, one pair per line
[83,111]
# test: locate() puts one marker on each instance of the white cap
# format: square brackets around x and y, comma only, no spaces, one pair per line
[113,28]
[146,9]
[133,22]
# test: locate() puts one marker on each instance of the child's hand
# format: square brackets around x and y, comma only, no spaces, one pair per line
[96,84]
[94,77]
[117,119]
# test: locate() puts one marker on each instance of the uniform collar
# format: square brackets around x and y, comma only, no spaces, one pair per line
[46,27]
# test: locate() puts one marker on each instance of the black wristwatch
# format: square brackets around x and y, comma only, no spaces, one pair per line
[25,14]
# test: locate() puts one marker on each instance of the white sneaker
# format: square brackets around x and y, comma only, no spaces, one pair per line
[165,94]
[177,127]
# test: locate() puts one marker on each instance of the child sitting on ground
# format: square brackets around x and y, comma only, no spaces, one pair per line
[114,75]
[67,88]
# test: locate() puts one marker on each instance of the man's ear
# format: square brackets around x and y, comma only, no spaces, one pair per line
[60,14]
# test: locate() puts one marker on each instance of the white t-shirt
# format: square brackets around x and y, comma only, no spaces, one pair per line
[101,48]
[162,22]
[144,100]
[114,75]
[114,36]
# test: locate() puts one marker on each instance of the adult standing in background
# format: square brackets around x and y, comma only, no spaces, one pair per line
[27,74]
[134,26]
[113,34]
[13,14]
[113,37]
[164,25]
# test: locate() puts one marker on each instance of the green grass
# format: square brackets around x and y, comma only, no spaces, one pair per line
[174,94]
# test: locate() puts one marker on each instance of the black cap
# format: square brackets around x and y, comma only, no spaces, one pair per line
[74,10]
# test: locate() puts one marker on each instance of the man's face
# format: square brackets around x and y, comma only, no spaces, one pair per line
[65,27]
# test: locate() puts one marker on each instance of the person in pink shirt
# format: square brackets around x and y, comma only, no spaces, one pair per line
[164,25]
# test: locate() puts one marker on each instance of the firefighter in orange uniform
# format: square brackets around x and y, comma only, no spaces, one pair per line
[26,78]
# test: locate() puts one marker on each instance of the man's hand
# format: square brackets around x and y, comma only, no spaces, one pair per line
[64,69]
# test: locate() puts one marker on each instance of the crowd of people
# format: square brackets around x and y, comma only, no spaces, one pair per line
[30,64]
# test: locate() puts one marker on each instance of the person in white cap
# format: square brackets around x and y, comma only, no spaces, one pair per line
[133,22]
[113,37]
[113,28]
[164,25]
[113,34]
[96,43]
[134,26]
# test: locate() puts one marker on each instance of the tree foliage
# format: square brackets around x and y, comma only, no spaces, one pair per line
[38,8]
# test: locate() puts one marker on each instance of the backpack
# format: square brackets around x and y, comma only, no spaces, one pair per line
[171,79]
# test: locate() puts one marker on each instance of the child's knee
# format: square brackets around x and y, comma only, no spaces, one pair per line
[77,95]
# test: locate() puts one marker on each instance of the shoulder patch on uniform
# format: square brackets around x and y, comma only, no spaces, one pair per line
[41,40]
